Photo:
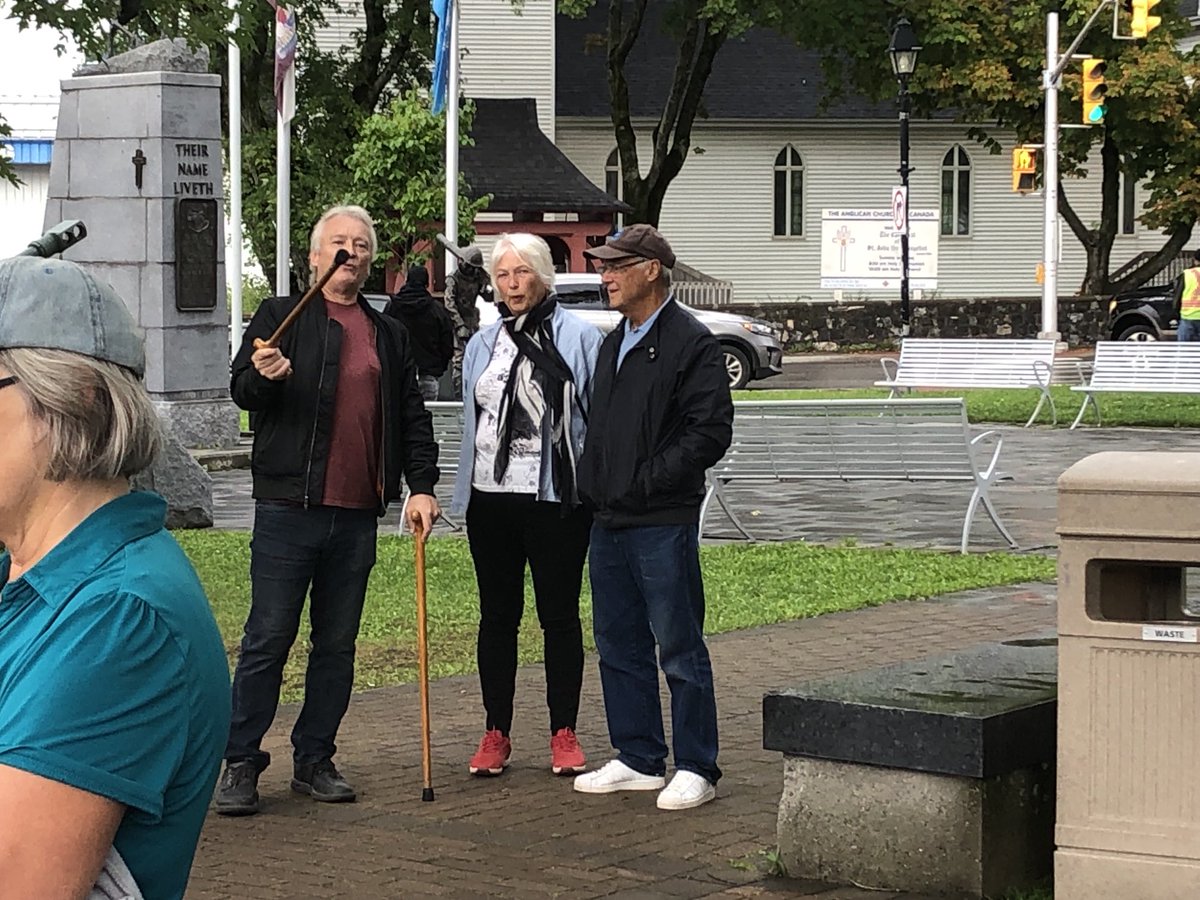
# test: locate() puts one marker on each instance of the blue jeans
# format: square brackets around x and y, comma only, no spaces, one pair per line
[333,550]
[646,588]
[1189,330]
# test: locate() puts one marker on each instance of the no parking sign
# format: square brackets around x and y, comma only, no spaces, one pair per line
[900,209]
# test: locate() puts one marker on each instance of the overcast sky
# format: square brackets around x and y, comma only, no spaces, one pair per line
[28,63]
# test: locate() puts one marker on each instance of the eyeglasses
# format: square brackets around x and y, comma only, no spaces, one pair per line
[11,379]
[602,268]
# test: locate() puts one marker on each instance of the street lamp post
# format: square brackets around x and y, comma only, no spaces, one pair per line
[903,52]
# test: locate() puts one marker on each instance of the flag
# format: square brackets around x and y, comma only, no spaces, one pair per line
[285,61]
[444,10]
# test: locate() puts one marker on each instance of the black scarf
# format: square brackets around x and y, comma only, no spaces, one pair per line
[538,361]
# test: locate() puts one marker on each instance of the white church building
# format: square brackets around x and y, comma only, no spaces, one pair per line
[767,159]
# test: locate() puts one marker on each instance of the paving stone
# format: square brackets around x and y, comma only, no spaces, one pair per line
[527,833]
[498,837]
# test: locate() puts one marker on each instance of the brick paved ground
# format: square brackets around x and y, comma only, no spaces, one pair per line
[527,834]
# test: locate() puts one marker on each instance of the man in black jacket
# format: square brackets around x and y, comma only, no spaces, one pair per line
[429,328]
[337,418]
[661,416]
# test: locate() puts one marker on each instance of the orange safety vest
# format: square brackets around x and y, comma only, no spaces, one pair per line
[1189,306]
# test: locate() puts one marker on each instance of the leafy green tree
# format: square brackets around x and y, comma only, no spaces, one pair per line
[336,92]
[399,157]
[700,28]
[984,62]
[8,172]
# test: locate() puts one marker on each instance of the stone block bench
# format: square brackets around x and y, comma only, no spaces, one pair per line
[935,776]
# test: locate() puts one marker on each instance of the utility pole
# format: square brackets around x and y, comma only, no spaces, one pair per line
[1051,81]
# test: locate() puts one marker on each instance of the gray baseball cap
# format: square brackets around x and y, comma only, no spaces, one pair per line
[53,304]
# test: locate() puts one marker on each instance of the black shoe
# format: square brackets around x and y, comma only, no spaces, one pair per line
[322,782]
[237,791]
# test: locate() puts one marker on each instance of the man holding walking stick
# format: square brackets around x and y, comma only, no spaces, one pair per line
[337,418]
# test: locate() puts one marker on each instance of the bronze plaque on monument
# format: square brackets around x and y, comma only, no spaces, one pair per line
[196,230]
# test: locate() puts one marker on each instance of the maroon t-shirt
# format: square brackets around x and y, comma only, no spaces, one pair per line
[352,471]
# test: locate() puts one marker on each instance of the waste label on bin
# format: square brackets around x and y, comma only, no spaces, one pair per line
[1169,633]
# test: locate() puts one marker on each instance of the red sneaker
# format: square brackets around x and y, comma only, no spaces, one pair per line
[566,756]
[492,755]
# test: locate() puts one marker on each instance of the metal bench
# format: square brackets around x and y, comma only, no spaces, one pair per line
[901,439]
[959,363]
[1148,367]
[448,432]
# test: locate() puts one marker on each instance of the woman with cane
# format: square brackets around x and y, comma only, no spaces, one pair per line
[527,385]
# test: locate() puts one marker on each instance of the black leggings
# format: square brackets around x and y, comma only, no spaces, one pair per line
[505,532]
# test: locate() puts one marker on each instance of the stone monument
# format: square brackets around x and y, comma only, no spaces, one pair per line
[137,157]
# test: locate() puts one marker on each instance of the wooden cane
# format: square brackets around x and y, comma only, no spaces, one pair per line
[423,658]
[339,260]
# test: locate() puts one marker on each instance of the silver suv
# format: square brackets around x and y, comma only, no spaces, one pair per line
[751,346]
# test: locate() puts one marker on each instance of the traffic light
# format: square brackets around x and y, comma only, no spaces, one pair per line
[1024,169]
[1094,89]
[1141,22]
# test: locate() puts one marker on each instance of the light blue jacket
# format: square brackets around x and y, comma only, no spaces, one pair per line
[579,344]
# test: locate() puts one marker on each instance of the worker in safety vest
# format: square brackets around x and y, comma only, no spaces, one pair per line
[1187,301]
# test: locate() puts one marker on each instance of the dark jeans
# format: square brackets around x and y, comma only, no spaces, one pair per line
[646,588]
[1189,330]
[333,550]
[506,531]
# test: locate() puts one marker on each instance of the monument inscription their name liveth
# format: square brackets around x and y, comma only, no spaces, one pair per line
[191,165]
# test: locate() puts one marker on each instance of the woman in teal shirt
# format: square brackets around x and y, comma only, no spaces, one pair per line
[114,687]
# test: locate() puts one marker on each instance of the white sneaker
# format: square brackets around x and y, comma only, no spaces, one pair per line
[687,790]
[616,776]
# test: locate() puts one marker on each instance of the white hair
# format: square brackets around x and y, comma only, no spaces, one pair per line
[353,212]
[532,250]
[100,423]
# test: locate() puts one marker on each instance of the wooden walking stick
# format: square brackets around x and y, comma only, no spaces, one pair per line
[339,260]
[422,658]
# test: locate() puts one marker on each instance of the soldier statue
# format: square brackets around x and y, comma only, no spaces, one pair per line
[463,286]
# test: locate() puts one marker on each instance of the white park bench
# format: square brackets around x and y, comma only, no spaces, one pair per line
[960,363]
[1152,367]
[900,439]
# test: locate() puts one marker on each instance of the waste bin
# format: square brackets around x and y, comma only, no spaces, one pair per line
[1128,812]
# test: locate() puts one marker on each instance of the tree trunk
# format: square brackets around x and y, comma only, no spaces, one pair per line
[672,135]
[1098,243]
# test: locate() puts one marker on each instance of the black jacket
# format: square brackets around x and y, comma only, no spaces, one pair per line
[293,418]
[656,425]
[429,327]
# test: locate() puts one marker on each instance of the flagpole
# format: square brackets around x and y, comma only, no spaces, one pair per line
[285,106]
[283,201]
[233,267]
[452,141]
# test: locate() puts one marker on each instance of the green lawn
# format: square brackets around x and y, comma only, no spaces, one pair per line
[746,585]
[1014,406]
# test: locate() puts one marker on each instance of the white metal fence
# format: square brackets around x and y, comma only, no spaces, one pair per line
[709,294]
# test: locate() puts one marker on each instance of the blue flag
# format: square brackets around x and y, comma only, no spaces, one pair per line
[444,10]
